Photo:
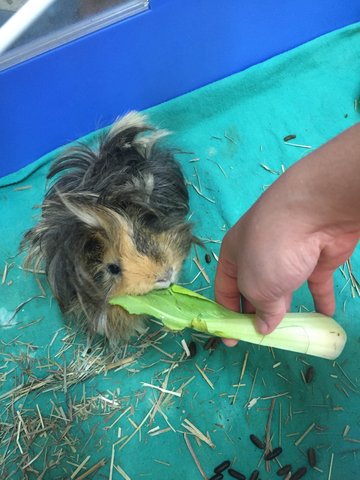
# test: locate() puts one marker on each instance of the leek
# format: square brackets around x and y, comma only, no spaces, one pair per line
[179,308]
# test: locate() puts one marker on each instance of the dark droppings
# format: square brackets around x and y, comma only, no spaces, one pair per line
[289,137]
[192,349]
[212,343]
[273,454]
[255,475]
[235,474]
[207,258]
[284,470]
[217,476]
[309,375]
[223,466]
[257,442]
[311,455]
[299,473]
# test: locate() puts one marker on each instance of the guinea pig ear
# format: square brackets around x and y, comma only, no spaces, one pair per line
[184,229]
[82,207]
[97,218]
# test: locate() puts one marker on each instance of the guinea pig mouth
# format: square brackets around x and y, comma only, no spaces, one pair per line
[167,279]
[159,285]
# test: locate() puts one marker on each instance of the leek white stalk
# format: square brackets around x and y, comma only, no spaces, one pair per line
[179,308]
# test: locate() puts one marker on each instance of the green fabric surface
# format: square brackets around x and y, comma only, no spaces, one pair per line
[233,134]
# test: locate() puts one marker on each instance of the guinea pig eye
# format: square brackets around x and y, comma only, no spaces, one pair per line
[114,268]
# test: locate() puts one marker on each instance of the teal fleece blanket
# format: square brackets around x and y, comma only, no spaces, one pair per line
[70,408]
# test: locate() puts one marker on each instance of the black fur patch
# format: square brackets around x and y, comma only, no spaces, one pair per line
[145,244]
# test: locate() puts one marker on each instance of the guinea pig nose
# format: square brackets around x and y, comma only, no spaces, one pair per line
[166,277]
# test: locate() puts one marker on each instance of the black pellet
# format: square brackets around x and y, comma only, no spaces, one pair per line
[273,454]
[309,375]
[299,473]
[284,470]
[311,455]
[207,258]
[257,442]
[217,476]
[223,466]
[212,343]
[235,474]
[289,137]
[255,475]
[192,349]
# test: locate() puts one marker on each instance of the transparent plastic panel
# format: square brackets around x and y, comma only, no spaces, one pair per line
[28,28]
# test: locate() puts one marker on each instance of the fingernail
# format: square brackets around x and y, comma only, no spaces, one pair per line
[230,342]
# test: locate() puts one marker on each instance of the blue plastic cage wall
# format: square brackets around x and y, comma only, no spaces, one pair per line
[174,47]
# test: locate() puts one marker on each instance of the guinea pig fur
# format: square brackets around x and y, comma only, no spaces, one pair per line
[113,222]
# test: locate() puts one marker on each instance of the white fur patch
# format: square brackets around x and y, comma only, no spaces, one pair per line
[145,143]
[131,119]
[102,324]
[83,214]
[149,183]
[146,182]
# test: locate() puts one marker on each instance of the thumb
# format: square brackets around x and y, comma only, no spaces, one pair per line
[321,285]
[269,315]
[226,279]
[226,288]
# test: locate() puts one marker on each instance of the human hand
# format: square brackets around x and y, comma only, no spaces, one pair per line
[270,252]
[301,229]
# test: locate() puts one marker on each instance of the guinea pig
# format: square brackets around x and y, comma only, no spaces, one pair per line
[114,221]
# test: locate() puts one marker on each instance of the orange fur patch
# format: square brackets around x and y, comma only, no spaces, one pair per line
[139,273]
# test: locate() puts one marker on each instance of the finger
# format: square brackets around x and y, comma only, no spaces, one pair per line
[227,292]
[321,285]
[230,342]
[246,306]
[226,288]
[265,322]
[270,315]
[266,318]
